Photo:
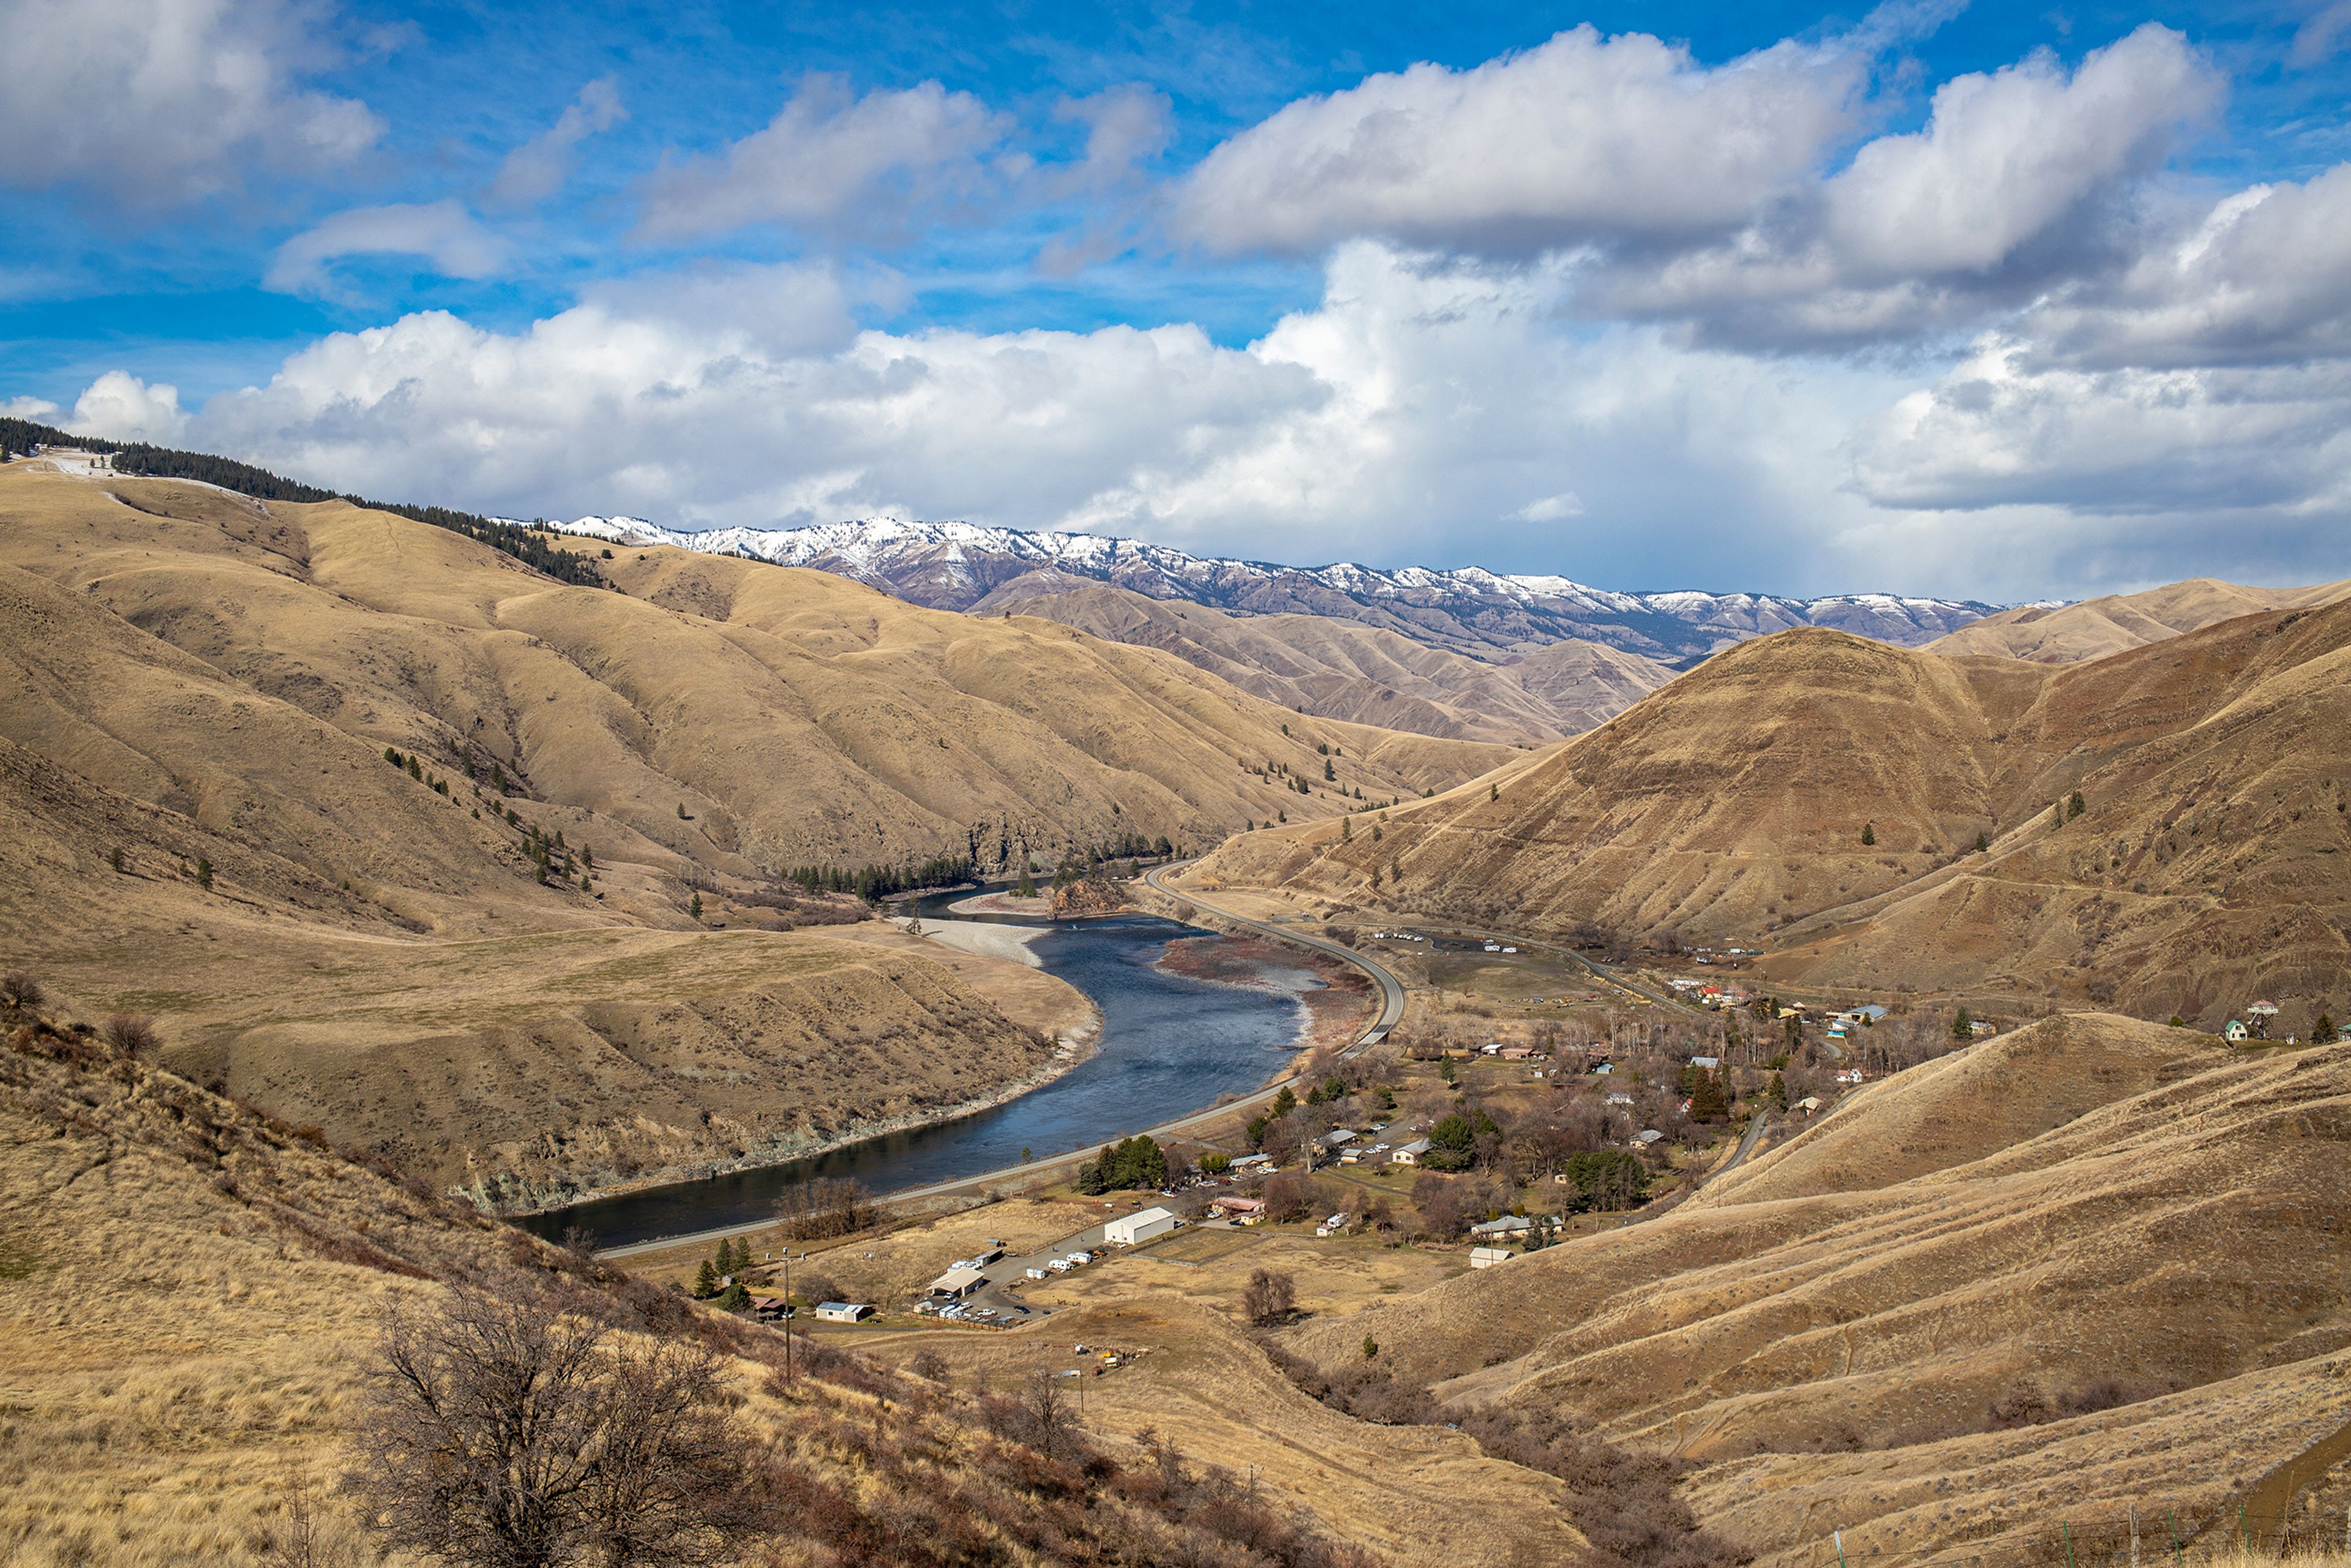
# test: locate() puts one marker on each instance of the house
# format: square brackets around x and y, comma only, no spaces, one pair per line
[1853,1075]
[1486,1256]
[1707,1064]
[1870,1012]
[1335,1137]
[1978,1027]
[956,1283]
[1253,1162]
[1620,1098]
[843,1311]
[1239,1207]
[1134,1228]
[1808,1104]
[1517,1052]
[1410,1155]
[2236,1030]
[1507,1228]
[1648,1135]
[1604,1070]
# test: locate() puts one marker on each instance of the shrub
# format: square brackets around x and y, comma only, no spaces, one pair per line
[21,991]
[131,1033]
[1268,1299]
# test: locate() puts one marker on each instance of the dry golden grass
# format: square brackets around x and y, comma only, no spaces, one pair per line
[1347,670]
[199,679]
[1729,805]
[2098,627]
[189,1299]
[1419,1495]
[1828,1328]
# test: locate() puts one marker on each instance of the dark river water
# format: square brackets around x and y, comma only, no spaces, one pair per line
[1169,1046]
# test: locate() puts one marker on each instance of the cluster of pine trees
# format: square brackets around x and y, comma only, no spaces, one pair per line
[875,882]
[167,463]
[1139,1161]
[719,1281]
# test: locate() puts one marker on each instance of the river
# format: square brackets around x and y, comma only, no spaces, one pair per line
[1169,1046]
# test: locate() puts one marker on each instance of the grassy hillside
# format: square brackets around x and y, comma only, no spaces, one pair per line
[2089,1265]
[2094,628]
[493,954]
[191,1303]
[2202,870]
[1347,670]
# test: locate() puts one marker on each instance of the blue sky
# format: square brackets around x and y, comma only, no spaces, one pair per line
[1982,301]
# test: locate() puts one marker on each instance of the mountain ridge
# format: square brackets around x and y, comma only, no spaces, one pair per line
[963,566]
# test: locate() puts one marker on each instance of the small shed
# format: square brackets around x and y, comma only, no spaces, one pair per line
[1142,1227]
[843,1311]
[1486,1256]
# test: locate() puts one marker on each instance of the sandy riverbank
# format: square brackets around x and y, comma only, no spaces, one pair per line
[988,941]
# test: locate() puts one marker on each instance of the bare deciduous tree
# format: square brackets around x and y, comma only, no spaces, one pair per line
[508,1434]
[824,1207]
[1268,1298]
[1052,1423]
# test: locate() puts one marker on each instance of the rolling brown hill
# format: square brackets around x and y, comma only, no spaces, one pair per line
[192,1298]
[205,828]
[1347,670]
[2098,627]
[1882,1325]
[2205,871]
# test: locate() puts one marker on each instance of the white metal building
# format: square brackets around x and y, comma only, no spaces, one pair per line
[1137,1227]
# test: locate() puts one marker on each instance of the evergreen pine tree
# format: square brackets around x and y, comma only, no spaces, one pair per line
[694,907]
[1962,1026]
[1982,843]
[2074,806]
[205,873]
[1868,834]
[706,1280]
[114,859]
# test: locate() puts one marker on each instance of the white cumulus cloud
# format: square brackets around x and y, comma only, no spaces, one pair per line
[1583,140]
[832,160]
[119,406]
[161,101]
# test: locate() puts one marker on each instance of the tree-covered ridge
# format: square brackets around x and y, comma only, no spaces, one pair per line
[227,474]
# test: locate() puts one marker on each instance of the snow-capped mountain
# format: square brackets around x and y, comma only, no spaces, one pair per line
[963,566]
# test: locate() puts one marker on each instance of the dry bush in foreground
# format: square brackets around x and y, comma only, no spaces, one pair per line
[507,1434]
